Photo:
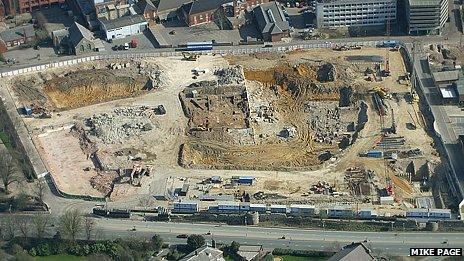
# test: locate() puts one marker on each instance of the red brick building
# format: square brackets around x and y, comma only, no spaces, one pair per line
[204,11]
[13,7]
[2,11]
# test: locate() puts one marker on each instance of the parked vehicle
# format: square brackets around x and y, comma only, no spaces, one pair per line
[182,236]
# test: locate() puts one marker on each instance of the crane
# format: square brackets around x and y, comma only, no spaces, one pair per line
[386,71]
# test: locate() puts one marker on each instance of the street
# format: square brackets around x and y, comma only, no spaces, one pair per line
[271,237]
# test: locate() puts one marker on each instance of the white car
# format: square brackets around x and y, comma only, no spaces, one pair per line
[126,46]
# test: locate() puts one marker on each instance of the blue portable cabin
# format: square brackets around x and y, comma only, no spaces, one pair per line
[245,180]
[374,154]
[199,46]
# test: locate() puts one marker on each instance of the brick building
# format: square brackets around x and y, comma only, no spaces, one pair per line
[2,11]
[24,6]
[205,11]
[271,22]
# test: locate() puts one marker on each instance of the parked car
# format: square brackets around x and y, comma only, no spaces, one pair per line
[126,46]
[182,236]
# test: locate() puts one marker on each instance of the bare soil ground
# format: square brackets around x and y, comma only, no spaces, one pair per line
[67,162]
[279,88]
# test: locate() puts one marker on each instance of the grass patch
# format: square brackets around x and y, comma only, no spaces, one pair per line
[6,140]
[228,258]
[300,258]
[60,258]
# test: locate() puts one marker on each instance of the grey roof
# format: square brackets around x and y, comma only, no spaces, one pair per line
[460,84]
[424,2]
[77,32]
[17,33]
[166,5]
[353,252]
[204,253]
[122,21]
[146,6]
[446,76]
[201,6]
[270,18]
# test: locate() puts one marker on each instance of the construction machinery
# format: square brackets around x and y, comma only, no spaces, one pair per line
[386,70]
[190,56]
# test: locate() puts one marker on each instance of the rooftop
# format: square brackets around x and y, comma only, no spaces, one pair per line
[446,76]
[17,33]
[353,252]
[204,253]
[166,5]
[270,18]
[77,32]
[200,6]
[122,21]
[424,2]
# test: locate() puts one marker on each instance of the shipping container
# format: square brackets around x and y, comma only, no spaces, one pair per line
[302,210]
[278,209]
[245,180]
[374,154]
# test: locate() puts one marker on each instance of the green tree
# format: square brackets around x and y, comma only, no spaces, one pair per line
[195,241]
[234,246]
[70,224]
[156,243]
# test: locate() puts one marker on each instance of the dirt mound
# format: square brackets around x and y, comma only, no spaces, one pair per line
[83,88]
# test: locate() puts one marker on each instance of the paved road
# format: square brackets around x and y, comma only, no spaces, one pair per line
[399,243]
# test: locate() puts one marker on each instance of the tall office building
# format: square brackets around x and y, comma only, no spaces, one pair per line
[342,13]
[426,16]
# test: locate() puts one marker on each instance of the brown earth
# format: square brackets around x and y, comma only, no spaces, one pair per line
[293,86]
[84,88]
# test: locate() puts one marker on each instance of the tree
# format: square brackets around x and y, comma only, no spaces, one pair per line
[89,226]
[70,224]
[23,223]
[234,246]
[156,243]
[9,224]
[40,222]
[195,241]
[8,170]
[20,201]
[39,190]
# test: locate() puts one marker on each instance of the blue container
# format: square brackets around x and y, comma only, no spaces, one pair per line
[245,180]
[374,154]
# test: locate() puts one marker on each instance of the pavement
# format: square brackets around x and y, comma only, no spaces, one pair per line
[295,238]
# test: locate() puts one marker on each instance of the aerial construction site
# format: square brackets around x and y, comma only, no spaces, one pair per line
[332,126]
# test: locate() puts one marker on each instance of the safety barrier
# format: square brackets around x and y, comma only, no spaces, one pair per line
[137,55]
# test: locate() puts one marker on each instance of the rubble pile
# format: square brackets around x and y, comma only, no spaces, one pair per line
[324,120]
[121,124]
[327,73]
[104,181]
[231,75]
[322,187]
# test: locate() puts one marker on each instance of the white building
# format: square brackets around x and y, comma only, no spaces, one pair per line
[123,27]
[185,207]
[367,213]
[302,210]
[340,212]
[341,13]
[428,213]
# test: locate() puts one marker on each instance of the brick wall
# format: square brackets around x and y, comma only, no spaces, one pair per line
[25,6]
[201,18]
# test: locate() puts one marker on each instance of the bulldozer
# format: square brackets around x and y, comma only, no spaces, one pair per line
[190,56]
